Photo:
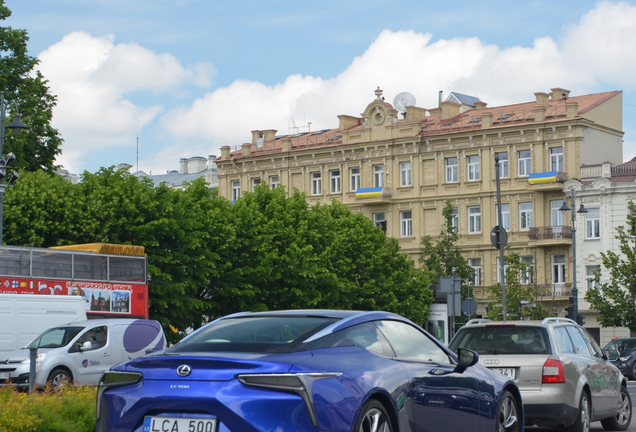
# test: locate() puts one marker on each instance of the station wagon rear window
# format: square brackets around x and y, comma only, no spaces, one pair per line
[503,340]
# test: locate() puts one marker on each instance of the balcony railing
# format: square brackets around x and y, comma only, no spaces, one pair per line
[553,290]
[550,232]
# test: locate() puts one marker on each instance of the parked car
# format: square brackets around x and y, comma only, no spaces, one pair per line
[564,377]
[308,370]
[626,362]
[82,351]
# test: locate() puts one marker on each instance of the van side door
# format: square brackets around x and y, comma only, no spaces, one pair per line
[91,355]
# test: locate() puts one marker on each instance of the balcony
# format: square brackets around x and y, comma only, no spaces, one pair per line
[550,235]
[553,291]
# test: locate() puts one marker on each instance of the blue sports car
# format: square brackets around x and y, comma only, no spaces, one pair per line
[308,370]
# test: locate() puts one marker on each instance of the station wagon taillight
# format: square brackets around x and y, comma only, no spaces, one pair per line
[553,372]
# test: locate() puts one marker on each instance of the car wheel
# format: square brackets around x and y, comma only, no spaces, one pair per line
[59,377]
[623,417]
[373,418]
[582,422]
[507,414]
[634,372]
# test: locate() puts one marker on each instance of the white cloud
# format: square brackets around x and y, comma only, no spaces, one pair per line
[598,49]
[91,77]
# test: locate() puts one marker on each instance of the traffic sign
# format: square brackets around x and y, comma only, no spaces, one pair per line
[469,307]
[498,239]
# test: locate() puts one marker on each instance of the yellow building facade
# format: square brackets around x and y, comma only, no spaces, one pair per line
[400,168]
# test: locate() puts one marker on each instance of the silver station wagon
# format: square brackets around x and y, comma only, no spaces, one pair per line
[565,379]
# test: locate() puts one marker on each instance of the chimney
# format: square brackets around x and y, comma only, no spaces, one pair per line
[225,152]
[255,135]
[247,149]
[196,164]
[183,166]
[572,108]
[449,109]
[486,120]
[480,105]
[211,161]
[269,135]
[539,113]
[415,114]
[348,121]
[541,99]
[286,145]
[434,111]
[559,93]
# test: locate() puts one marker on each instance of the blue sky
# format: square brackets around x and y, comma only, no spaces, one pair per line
[188,76]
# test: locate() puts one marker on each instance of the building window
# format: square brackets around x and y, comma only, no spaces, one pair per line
[236,189]
[378,175]
[590,283]
[525,216]
[316,183]
[505,216]
[406,224]
[335,181]
[455,220]
[405,174]
[593,223]
[526,277]
[473,168]
[475,264]
[558,269]
[505,269]
[255,181]
[524,163]
[503,164]
[474,219]
[354,175]
[556,159]
[557,218]
[274,182]
[379,220]
[451,170]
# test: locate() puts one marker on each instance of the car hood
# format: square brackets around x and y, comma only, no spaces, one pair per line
[211,366]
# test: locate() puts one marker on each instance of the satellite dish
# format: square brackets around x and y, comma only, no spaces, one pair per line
[402,100]
[259,142]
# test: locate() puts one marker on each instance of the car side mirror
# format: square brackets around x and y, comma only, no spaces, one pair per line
[467,357]
[611,354]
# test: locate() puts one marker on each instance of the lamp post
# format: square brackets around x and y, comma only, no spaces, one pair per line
[575,292]
[16,126]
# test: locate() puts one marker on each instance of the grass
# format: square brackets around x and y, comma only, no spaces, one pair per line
[68,409]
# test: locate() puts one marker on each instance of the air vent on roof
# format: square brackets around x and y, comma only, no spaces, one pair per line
[280,136]
[450,122]
[299,134]
[321,131]
[477,120]
[505,116]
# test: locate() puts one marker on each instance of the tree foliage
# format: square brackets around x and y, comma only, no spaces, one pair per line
[616,300]
[37,147]
[521,297]
[208,257]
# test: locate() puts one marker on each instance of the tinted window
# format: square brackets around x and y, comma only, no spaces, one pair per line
[502,339]
[596,350]
[563,341]
[253,334]
[409,343]
[580,346]
[366,336]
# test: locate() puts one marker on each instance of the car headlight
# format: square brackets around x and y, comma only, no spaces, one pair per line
[38,359]
[623,358]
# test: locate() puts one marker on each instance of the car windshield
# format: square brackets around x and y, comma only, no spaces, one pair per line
[502,340]
[55,337]
[269,334]
[623,345]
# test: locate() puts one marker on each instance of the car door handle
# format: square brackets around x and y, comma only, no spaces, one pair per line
[106,354]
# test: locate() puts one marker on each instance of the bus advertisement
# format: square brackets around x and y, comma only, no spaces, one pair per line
[113,279]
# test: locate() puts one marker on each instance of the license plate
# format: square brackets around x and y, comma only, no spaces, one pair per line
[4,375]
[508,372]
[179,424]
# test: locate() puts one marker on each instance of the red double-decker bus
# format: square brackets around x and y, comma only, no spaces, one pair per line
[113,279]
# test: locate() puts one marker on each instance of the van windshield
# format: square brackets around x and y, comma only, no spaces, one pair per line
[55,337]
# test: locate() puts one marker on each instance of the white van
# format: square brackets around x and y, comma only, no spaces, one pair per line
[25,316]
[82,351]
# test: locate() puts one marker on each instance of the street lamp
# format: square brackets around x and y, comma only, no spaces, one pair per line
[16,126]
[575,292]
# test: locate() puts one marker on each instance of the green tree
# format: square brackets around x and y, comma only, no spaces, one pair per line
[521,296]
[616,300]
[37,147]
[444,258]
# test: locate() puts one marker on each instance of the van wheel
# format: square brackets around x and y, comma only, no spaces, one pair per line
[582,422]
[623,417]
[59,377]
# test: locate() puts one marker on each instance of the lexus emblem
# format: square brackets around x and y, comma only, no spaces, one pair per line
[184,370]
[491,362]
